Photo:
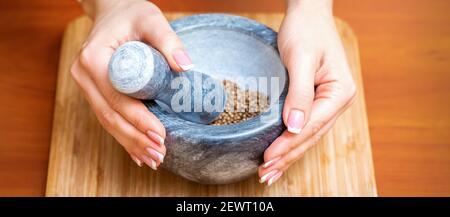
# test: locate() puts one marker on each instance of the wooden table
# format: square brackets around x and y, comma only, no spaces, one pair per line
[404,47]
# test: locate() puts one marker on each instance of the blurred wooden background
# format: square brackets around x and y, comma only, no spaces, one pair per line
[404,47]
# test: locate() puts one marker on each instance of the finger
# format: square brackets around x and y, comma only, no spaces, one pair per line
[136,160]
[156,30]
[284,162]
[296,110]
[324,109]
[271,177]
[134,111]
[134,141]
[298,152]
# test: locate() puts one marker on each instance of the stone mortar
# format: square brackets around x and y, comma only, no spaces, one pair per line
[225,47]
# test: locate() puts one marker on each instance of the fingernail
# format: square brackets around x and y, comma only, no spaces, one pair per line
[137,161]
[153,165]
[267,175]
[150,162]
[270,162]
[155,137]
[274,178]
[295,121]
[153,152]
[183,60]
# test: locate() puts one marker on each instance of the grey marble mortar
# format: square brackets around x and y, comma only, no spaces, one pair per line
[225,47]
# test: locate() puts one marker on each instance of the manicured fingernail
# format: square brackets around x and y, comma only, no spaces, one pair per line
[274,178]
[155,137]
[153,165]
[295,121]
[270,162]
[137,161]
[267,175]
[183,60]
[150,162]
[153,152]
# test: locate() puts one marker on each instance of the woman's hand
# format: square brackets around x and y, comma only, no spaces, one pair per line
[321,85]
[126,119]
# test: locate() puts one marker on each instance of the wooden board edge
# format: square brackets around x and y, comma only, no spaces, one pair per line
[52,163]
[351,34]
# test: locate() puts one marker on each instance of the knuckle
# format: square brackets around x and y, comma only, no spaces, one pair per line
[343,92]
[108,119]
[288,162]
[167,41]
[283,163]
[293,145]
[138,120]
[170,36]
[316,126]
[133,148]
[85,57]
[135,141]
[115,100]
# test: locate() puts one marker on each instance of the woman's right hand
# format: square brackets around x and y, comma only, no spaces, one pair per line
[126,119]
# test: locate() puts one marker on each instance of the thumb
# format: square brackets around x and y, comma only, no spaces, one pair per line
[299,99]
[161,36]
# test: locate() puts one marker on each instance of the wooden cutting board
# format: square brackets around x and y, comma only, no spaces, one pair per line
[86,161]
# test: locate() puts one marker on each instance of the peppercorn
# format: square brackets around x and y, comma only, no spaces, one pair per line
[241,104]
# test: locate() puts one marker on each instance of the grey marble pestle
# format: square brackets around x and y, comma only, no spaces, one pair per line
[225,47]
[140,71]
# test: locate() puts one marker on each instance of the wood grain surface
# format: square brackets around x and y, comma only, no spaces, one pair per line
[86,161]
[404,49]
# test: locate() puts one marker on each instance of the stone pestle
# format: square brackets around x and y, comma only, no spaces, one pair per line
[141,72]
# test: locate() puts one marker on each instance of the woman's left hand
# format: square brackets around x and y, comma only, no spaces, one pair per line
[321,85]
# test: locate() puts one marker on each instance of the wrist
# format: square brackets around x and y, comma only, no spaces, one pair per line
[310,7]
[95,7]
